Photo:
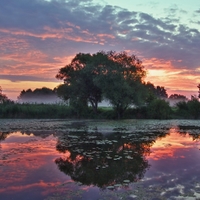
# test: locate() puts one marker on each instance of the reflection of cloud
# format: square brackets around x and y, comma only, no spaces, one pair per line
[20,188]
[171,146]
[23,157]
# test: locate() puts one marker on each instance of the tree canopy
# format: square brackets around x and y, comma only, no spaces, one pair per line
[117,77]
[157,91]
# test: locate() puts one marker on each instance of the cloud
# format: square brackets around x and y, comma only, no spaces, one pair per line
[197,11]
[17,78]
[36,35]
[78,21]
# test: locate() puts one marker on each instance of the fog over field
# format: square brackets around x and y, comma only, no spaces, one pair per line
[49,99]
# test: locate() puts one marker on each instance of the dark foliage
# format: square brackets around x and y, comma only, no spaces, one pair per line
[89,78]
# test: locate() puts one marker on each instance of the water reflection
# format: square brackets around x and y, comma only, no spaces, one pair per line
[105,160]
[3,136]
[159,162]
[26,165]
[193,131]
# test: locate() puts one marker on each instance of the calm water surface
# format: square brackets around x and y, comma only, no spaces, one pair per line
[130,159]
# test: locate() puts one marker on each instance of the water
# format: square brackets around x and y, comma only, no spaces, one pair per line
[128,159]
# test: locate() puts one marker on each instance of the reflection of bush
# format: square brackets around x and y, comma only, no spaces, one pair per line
[193,131]
[42,134]
[3,136]
[98,160]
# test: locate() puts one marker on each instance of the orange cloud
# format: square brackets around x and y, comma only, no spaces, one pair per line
[22,164]
[175,80]
[71,34]
[33,63]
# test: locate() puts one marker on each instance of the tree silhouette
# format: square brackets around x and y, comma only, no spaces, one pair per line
[116,77]
[3,97]
[199,90]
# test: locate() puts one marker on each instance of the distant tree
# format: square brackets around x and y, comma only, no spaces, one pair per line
[161,92]
[154,92]
[3,97]
[177,97]
[39,94]
[199,90]
[25,94]
[43,91]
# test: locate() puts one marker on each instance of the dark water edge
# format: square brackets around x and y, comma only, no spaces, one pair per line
[90,159]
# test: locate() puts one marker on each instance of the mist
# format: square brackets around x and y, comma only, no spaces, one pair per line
[41,99]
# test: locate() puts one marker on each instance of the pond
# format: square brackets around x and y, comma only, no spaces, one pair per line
[99,160]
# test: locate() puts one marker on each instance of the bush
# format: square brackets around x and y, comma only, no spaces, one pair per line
[194,108]
[188,110]
[182,110]
[158,109]
[35,111]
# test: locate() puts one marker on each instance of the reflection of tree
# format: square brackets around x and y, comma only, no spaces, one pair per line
[102,160]
[193,131]
[42,134]
[3,136]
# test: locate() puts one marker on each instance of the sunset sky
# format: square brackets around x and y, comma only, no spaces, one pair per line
[38,37]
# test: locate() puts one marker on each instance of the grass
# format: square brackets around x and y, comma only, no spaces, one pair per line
[63,111]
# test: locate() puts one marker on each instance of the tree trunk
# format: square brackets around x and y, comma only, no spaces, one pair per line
[120,112]
[94,105]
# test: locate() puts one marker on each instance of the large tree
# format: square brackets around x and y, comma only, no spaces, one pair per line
[121,80]
[78,77]
[115,76]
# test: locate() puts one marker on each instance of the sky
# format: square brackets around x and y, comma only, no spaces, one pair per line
[39,37]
